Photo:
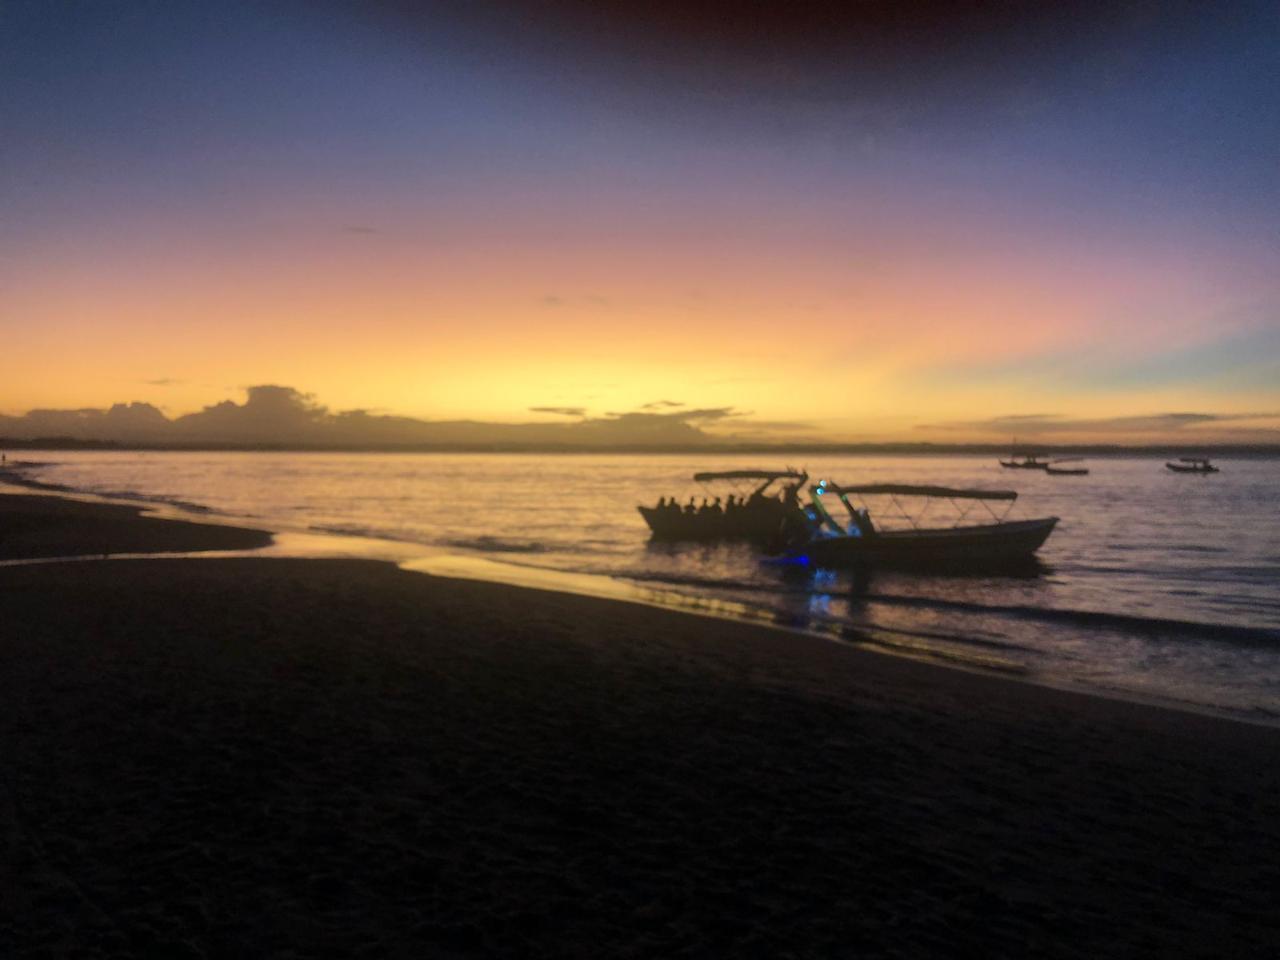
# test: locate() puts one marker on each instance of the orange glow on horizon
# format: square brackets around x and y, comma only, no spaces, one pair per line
[866,332]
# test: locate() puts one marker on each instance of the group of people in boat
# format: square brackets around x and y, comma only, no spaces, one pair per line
[777,522]
[731,506]
[753,516]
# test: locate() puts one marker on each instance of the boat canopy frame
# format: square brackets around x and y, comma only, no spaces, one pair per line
[751,475]
[893,491]
[767,478]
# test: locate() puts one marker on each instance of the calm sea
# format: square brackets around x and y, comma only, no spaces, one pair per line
[1154,585]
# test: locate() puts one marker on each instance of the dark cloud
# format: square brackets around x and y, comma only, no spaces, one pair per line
[703,415]
[274,415]
[575,300]
[163,382]
[270,414]
[128,422]
[659,404]
[795,27]
[778,48]
[1038,424]
[359,229]
[561,411]
[1016,418]
[1244,353]
[774,426]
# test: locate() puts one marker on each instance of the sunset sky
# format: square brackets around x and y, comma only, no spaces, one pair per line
[849,221]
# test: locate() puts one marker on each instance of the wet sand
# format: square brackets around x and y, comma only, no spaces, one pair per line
[266,757]
[44,526]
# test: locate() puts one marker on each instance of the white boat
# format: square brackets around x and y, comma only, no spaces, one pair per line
[860,541]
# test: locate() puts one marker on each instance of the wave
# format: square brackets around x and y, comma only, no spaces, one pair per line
[16,479]
[366,533]
[133,496]
[1128,623]
[962,640]
[714,583]
[190,506]
[1264,570]
[1164,627]
[482,544]
[1163,547]
[488,544]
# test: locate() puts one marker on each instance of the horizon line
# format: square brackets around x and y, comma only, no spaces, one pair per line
[710,447]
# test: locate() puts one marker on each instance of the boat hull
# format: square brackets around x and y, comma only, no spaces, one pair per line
[998,543]
[1019,465]
[1184,468]
[761,524]
[1067,472]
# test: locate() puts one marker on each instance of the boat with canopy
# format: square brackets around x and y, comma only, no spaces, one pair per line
[860,541]
[1191,465]
[1024,460]
[1029,460]
[755,510]
[1053,470]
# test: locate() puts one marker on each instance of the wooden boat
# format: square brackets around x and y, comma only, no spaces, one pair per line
[1024,461]
[1054,470]
[758,515]
[860,542]
[1191,465]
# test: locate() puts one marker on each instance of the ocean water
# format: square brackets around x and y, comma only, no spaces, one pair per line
[1154,585]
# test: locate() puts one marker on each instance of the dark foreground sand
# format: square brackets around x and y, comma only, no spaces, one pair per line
[254,758]
[41,526]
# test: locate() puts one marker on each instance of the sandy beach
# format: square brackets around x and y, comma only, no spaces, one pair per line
[46,526]
[291,758]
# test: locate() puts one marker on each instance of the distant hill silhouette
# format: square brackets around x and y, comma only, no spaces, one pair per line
[283,416]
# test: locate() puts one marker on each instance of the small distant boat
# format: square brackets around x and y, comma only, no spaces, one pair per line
[1054,470]
[757,512]
[1191,465]
[860,542]
[1024,461]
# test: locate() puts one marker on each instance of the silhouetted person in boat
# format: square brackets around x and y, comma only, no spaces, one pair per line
[689,507]
[790,495]
[862,520]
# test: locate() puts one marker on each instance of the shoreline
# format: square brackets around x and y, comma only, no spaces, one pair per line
[45,526]
[226,538]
